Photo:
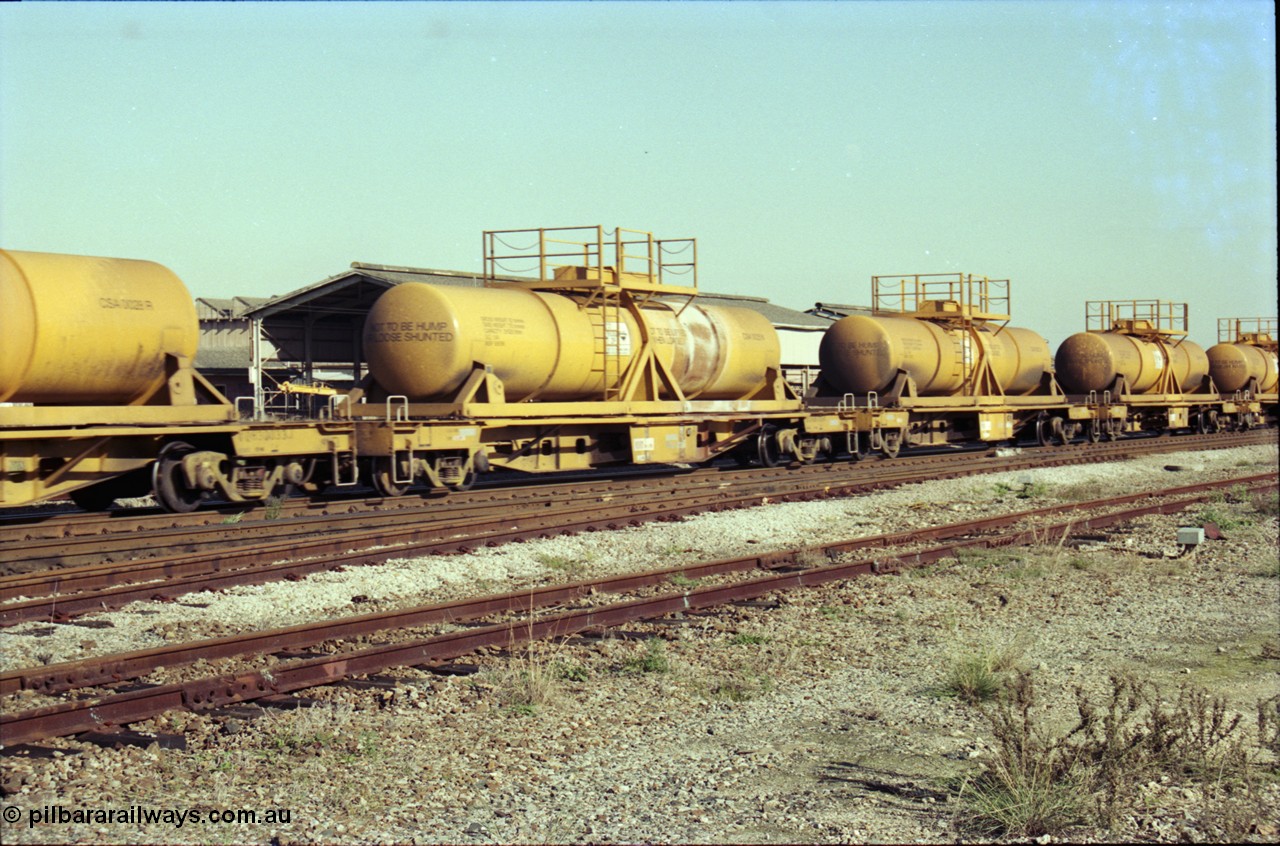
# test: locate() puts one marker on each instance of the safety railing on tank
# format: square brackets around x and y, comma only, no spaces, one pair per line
[1234,330]
[607,256]
[960,295]
[277,405]
[1136,316]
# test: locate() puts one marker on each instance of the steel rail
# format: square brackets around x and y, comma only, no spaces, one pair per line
[67,552]
[106,574]
[23,526]
[240,567]
[203,694]
[188,573]
[115,668]
[25,581]
[76,537]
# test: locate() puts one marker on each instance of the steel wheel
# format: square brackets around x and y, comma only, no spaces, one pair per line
[168,482]
[1044,432]
[767,448]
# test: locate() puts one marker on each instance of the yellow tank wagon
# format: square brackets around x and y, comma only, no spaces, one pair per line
[602,355]
[99,399]
[1245,357]
[1135,354]
[598,358]
[936,362]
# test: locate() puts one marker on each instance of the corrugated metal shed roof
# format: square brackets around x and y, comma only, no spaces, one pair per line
[780,316]
[233,308]
[328,294]
[210,308]
[835,311]
[360,273]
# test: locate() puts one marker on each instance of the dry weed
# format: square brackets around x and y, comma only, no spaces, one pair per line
[1041,782]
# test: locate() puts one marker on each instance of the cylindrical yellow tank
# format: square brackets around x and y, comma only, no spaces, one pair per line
[80,329]
[423,341]
[1091,361]
[860,354]
[1233,365]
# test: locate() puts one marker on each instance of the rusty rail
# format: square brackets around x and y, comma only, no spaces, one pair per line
[249,565]
[136,705]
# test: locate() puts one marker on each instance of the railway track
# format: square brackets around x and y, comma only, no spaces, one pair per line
[29,525]
[69,592]
[783,570]
[61,538]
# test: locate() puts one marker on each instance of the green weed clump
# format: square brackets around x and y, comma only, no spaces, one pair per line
[973,680]
[681,580]
[654,659]
[571,672]
[571,567]
[316,731]
[275,505]
[1223,517]
[1025,490]
[1269,729]
[1266,503]
[740,685]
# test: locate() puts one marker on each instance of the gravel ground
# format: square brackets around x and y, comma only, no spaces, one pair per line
[820,720]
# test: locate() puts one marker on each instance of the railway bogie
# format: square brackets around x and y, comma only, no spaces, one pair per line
[255,462]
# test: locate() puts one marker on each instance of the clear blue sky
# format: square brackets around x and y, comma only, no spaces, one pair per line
[1084,150]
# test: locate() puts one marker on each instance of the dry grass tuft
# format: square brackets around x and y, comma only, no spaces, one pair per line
[979,675]
[531,679]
